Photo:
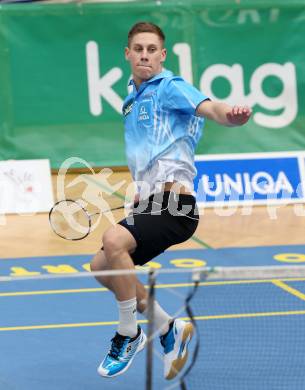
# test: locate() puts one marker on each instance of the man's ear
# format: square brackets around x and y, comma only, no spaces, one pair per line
[163,55]
[127,51]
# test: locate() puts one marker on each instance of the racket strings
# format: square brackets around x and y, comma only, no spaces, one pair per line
[70,220]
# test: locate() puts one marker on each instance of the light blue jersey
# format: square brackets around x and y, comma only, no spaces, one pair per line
[162,130]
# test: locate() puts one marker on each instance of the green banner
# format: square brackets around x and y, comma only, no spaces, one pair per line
[63,75]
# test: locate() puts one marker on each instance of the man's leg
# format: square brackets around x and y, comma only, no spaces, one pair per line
[162,319]
[175,336]
[99,263]
[129,339]
[124,288]
[118,242]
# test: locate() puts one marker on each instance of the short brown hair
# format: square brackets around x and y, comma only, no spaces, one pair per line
[141,27]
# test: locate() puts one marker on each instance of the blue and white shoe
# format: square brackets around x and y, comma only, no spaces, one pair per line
[175,343]
[122,352]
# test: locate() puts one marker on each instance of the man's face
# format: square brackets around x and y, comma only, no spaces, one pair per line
[146,55]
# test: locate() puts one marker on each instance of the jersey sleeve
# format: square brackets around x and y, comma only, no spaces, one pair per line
[182,96]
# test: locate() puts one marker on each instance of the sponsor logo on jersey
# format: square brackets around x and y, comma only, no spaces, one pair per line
[127,109]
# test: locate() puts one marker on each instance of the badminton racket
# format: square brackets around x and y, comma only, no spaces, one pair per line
[72,221]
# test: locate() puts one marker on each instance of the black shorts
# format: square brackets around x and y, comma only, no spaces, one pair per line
[162,220]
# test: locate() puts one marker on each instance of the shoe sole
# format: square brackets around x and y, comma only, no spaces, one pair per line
[179,363]
[139,349]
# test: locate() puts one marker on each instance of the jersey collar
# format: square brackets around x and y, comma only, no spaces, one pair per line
[162,75]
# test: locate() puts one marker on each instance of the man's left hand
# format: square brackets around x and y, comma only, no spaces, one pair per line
[239,115]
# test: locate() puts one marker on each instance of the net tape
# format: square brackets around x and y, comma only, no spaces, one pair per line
[198,274]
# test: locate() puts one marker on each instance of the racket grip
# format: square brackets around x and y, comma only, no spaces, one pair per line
[129,205]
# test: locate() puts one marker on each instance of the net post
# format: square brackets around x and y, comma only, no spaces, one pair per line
[197,276]
[150,330]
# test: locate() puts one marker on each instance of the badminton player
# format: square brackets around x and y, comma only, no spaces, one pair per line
[163,117]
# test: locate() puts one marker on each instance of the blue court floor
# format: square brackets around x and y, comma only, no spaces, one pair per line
[53,333]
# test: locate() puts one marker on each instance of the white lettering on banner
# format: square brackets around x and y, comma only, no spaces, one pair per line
[100,87]
[229,183]
[183,51]
[274,15]
[252,14]
[286,100]
[234,74]
[283,184]
[248,189]
[228,17]
[261,183]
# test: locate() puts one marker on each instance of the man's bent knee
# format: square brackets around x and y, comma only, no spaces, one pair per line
[117,241]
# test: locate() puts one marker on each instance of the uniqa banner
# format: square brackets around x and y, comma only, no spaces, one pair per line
[250,179]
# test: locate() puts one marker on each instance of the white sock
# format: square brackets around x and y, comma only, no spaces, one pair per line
[128,317]
[161,318]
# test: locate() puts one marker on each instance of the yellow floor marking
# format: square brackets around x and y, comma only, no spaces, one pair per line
[197,318]
[250,315]
[169,285]
[50,292]
[290,290]
[62,326]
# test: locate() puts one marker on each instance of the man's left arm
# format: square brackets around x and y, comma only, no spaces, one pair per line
[224,114]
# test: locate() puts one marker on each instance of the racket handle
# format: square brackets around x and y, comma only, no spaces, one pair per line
[129,205]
